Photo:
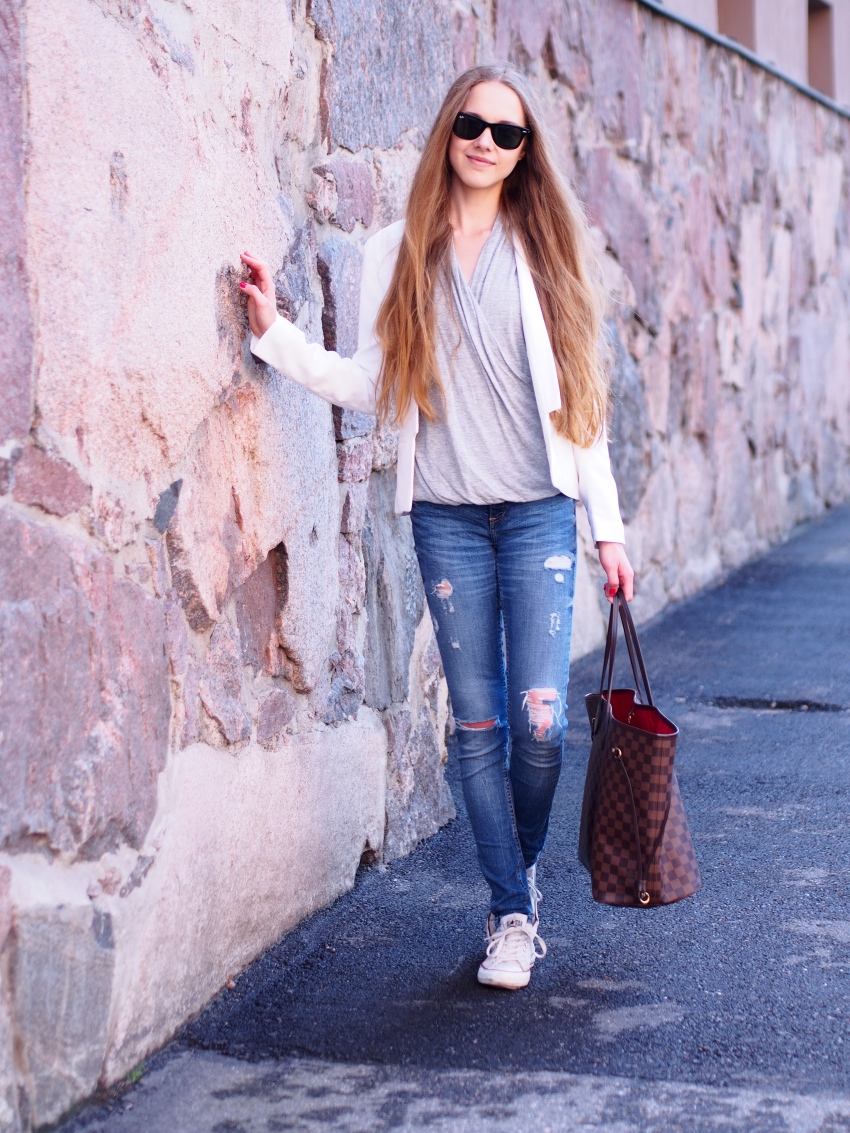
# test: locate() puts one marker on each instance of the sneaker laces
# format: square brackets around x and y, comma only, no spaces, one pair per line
[512,937]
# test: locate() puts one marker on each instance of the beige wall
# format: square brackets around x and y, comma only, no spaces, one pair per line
[841,50]
[702,12]
[781,28]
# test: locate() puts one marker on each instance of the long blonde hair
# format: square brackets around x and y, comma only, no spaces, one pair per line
[539,208]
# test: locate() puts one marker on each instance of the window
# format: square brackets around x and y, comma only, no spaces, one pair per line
[821,47]
[737,19]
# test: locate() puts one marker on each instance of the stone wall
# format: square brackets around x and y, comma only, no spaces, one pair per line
[721,196]
[218,690]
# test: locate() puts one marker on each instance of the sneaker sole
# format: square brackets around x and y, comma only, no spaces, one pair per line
[510,981]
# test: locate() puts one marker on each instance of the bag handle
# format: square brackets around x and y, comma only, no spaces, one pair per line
[619,606]
[607,666]
[633,646]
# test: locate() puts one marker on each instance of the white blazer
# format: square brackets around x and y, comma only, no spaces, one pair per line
[582,473]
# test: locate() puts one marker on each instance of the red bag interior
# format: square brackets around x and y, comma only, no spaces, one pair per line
[648,719]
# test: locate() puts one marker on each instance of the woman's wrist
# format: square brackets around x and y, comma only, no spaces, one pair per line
[264,327]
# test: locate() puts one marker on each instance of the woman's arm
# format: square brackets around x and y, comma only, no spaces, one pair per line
[598,491]
[349,382]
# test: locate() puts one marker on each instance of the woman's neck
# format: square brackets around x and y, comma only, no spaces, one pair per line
[473,212]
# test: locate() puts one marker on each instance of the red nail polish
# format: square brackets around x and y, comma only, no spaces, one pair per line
[243,285]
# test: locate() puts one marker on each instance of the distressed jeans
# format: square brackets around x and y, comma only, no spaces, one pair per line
[500,580]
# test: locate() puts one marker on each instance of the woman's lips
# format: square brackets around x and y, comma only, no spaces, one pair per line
[480,160]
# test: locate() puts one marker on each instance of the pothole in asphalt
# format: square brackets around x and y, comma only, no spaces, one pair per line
[766,704]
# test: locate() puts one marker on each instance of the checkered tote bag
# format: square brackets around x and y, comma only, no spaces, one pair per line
[634,836]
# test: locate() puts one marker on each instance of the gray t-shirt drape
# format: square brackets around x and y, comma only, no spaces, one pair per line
[487,446]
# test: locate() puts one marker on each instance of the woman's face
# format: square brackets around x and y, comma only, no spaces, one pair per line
[479,163]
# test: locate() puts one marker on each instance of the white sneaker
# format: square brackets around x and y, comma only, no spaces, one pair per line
[511,952]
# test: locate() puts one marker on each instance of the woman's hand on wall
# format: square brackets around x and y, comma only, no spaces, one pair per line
[262,307]
[617,568]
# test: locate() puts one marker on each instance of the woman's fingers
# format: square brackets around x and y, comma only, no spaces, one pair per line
[261,274]
[620,574]
[261,312]
[627,581]
[253,261]
[253,292]
[612,584]
[625,577]
[259,271]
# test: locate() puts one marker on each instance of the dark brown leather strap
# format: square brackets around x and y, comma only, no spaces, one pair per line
[633,646]
[607,679]
[620,606]
[642,893]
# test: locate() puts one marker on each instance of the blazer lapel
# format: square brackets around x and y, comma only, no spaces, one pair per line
[541,360]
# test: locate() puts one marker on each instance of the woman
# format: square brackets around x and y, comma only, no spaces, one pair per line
[479,335]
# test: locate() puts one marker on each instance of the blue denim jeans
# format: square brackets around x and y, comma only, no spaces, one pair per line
[500,580]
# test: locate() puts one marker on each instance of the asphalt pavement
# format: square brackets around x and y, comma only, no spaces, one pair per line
[729,1011]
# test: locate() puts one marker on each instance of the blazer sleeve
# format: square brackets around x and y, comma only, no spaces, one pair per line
[598,491]
[349,382]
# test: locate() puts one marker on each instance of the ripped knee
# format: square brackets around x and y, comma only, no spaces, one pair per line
[476,725]
[545,713]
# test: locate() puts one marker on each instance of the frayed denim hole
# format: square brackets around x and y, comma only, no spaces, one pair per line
[478,726]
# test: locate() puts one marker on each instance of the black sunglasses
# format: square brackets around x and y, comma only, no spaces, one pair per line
[504,135]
